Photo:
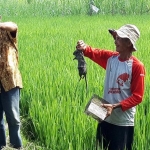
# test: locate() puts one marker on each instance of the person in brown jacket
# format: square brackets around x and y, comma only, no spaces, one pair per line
[10,85]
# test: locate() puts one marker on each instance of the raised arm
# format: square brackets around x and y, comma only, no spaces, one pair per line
[9,26]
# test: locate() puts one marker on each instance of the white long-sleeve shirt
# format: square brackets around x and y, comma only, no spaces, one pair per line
[124,83]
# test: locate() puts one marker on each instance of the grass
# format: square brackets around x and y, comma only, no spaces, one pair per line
[52,113]
[72,7]
[50,77]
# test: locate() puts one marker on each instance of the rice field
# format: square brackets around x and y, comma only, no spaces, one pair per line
[52,100]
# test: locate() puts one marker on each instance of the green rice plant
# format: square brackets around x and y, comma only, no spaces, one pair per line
[50,76]
[71,7]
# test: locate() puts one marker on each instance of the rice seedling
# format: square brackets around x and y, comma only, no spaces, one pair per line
[46,45]
[50,77]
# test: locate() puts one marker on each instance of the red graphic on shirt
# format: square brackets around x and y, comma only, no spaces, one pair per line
[114,91]
[122,78]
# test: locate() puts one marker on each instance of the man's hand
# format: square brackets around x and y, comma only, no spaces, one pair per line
[110,108]
[81,45]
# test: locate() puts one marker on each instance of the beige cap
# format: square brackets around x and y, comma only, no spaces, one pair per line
[127,31]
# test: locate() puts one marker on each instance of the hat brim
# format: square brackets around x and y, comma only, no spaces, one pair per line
[120,34]
[113,33]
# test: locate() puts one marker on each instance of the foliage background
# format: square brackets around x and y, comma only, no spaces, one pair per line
[72,7]
[52,112]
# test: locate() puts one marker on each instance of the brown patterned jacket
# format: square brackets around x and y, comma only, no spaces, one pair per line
[10,76]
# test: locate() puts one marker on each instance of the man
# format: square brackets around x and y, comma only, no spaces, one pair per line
[124,87]
[10,84]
